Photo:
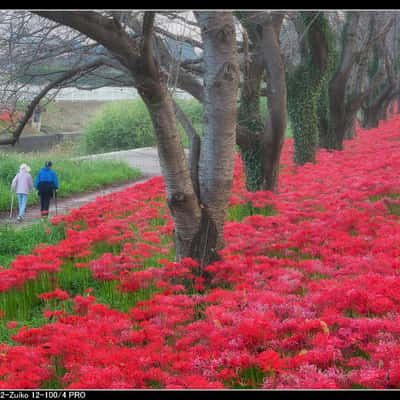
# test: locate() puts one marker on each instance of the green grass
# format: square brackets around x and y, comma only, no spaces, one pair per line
[24,240]
[393,208]
[75,176]
[289,131]
[22,303]
[240,211]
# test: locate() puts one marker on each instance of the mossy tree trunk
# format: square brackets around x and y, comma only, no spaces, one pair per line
[250,123]
[275,127]
[303,93]
[261,142]
[307,86]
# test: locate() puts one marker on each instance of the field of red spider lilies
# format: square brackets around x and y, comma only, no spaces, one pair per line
[307,294]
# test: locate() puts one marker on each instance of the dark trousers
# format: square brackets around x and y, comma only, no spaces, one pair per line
[45,203]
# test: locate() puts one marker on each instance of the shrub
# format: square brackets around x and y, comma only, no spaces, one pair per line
[123,125]
[119,125]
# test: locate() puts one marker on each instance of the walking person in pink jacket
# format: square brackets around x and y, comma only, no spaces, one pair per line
[22,184]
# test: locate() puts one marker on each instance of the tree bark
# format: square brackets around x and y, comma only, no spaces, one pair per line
[219,133]
[250,125]
[375,107]
[337,85]
[306,84]
[275,128]
[261,143]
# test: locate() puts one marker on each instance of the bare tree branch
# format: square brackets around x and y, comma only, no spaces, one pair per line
[179,38]
[147,48]
[194,147]
[68,75]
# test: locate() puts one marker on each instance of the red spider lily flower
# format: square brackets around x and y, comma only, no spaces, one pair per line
[81,304]
[12,324]
[55,294]
[270,360]
[54,314]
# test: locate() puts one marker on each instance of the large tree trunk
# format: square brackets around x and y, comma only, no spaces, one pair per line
[337,111]
[219,135]
[181,196]
[305,86]
[275,128]
[337,85]
[371,116]
[250,124]
[377,110]
[261,144]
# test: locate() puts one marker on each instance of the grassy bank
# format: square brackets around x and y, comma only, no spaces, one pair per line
[22,241]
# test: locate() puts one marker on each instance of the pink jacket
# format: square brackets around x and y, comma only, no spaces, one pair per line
[22,183]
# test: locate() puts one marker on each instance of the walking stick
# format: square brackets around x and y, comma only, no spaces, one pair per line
[12,203]
[55,200]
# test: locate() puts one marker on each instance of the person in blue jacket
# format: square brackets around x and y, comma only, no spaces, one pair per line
[46,183]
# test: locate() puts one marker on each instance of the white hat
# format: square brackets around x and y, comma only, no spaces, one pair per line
[24,167]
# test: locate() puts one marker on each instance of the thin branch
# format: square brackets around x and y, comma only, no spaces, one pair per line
[147,47]
[194,148]
[107,32]
[370,43]
[179,38]
[29,112]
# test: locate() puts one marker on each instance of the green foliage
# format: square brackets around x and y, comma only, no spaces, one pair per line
[194,112]
[252,114]
[119,125]
[327,134]
[123,125]
[302,111]
[252,164]
[81,175]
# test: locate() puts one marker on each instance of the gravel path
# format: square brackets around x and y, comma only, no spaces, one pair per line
[145,159]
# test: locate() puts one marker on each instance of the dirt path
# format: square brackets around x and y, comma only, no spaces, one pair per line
[145,159]
[64,205]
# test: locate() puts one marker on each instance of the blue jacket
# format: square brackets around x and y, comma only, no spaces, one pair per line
[47,175]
